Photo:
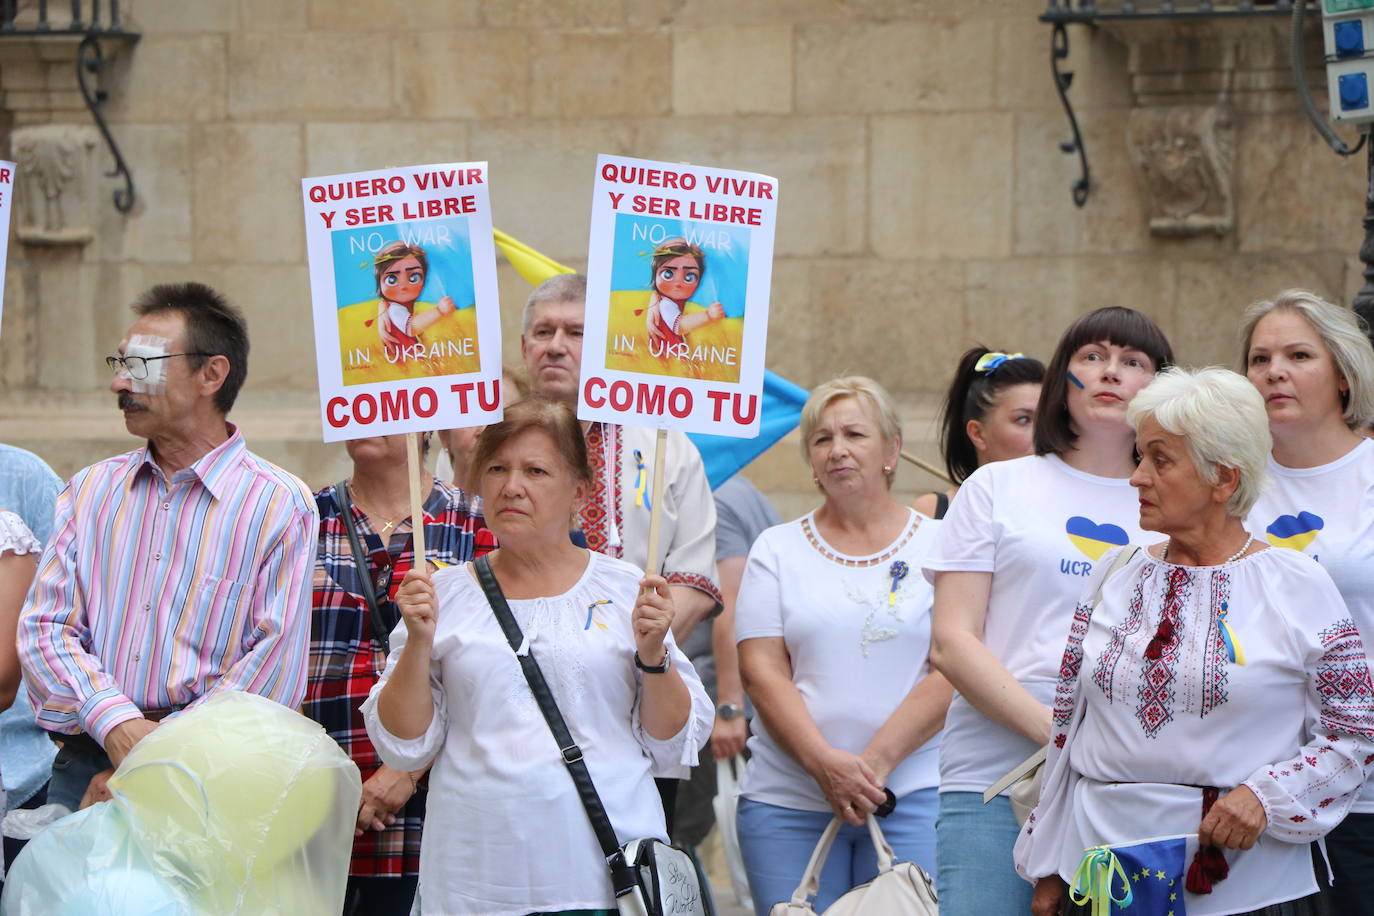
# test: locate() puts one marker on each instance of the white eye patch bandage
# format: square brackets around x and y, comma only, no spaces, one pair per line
[148,347]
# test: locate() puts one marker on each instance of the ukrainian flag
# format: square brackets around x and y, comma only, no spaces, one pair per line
[1295,531]
[1094,539]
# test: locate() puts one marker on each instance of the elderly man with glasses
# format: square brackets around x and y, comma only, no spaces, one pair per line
[174,571]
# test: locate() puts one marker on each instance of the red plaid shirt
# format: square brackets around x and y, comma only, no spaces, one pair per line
[347,658]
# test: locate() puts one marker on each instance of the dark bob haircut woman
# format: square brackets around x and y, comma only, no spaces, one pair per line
[1116,325]
[972,394]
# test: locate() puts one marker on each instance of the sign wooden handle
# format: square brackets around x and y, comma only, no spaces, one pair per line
[927,467]
[417,498]
[651,564]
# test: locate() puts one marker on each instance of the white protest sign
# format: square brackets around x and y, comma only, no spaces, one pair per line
[678,274]
[7,170]
[403,285]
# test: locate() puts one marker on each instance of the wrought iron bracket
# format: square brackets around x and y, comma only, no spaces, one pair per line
[90,61]
[1063,79]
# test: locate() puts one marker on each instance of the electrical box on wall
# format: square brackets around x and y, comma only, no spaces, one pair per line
[1348,33]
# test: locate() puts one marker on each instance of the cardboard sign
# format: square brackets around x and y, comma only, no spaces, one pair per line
[7,170]
[403,284]
[678,274]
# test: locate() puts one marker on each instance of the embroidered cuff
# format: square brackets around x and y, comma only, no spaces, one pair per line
[700,583]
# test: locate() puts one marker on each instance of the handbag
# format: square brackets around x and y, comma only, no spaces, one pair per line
[726,805]
[901,888]
[1027,777]
[650,877]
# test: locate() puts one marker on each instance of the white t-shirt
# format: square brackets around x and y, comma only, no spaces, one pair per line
[1038,526]
[1327,512]
[858,647]
[507,834]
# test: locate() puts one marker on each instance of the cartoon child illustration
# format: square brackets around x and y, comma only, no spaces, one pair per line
[677,270]
[400,270]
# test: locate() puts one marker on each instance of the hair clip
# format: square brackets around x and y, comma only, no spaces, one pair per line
[990,362]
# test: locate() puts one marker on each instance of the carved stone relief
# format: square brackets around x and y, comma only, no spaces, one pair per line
[1184,156]
[56,183]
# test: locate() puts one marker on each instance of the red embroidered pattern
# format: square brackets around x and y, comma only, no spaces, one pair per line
[1155,695]
[1215,660]
[593,515]
[1069,667]
[1342,682]
[696,581]
[1104,673]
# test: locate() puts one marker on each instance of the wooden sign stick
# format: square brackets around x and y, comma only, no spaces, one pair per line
[417,498]
[651,564]
[926,466]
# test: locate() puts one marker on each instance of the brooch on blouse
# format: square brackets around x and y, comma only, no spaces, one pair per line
[1228,637]
[896,572]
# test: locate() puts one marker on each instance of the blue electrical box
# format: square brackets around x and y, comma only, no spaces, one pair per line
[1347,30]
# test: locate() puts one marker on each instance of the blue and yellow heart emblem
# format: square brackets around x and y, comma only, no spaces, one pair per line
[1295,531]
[1094,539]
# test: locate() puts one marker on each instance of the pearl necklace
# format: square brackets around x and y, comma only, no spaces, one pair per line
[1164,555]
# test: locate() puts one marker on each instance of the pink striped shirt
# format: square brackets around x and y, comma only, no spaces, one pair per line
[153,594]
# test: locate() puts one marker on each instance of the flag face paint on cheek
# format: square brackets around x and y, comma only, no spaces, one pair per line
[150,348]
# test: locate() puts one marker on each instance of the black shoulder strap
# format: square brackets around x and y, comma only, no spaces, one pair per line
[622,875]
[941,504]
[380,631]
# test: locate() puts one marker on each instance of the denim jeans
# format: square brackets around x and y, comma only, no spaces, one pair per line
[976,876]
[776,843]
[72,770]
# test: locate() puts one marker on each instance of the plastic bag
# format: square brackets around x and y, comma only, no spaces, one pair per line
[27,823]
[238,806]
[726,802]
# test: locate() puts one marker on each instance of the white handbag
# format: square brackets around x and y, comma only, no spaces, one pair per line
[901,888]
[726,803]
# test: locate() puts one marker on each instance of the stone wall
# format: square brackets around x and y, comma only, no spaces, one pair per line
[925,202]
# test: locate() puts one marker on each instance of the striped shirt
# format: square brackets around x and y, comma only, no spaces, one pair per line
[154,594]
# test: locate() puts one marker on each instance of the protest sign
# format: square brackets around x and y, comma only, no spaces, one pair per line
[678,272]
[7,170]
[403,285]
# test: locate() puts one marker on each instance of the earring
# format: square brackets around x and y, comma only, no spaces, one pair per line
[887,469]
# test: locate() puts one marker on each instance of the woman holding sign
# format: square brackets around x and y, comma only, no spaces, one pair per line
[1019,539]
[506,833]
[833,625]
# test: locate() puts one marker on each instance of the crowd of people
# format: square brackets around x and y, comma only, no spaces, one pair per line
[1157,575]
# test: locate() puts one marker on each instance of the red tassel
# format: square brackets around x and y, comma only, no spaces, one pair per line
[1215,864]
[1155,649]
[1197,881]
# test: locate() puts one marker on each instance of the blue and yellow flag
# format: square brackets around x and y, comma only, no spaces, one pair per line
[1140,879]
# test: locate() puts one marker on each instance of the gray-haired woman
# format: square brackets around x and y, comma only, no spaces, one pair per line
[1197,696]
[1314,367]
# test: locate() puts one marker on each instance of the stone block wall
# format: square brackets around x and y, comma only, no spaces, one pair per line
[924,200]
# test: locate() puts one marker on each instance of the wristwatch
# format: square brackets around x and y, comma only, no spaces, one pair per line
[661,668]
[728,711]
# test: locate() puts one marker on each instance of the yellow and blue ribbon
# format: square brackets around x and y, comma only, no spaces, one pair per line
[897,571]
[1096,875]
[591,610]
[990,362]
[1228,636]
[641,482]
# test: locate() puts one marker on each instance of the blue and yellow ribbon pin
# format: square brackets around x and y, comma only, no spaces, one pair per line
[1228,636]
[897,572]
[1094,879]
[641,482]
[591,610]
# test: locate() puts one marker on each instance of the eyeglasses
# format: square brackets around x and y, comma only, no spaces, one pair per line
[136,367]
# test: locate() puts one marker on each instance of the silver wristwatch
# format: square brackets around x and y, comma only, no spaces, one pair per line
[728,711]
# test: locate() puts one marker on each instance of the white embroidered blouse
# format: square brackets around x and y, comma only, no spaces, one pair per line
[1262,682]
[505,832]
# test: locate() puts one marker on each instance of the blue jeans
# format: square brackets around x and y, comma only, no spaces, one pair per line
[976,876]
[776,843]
[71,774]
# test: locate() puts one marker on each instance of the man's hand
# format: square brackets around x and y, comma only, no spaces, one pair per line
[384,793]
[729,737]
[1235,821]
[98,790]
[122,738]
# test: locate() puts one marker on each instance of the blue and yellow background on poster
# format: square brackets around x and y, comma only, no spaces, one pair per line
[710,351]
[448,346]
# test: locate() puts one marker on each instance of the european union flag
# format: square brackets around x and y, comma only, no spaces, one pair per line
[1141,879]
